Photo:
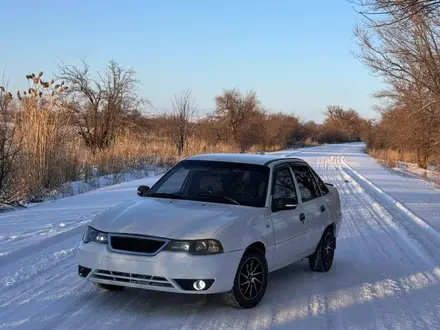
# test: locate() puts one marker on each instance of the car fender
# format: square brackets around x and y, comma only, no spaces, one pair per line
[239,234]
[335,209]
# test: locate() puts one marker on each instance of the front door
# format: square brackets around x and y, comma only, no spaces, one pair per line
[289,227]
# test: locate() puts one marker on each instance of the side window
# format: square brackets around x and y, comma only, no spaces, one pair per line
[321,184]
[283,185]
[307,186]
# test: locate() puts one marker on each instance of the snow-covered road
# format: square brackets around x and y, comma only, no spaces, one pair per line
[386,272]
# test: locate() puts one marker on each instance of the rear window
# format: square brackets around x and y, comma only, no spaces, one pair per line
[321,184]
[307,185]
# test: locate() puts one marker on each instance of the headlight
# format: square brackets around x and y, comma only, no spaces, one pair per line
[198,247]
[93,235]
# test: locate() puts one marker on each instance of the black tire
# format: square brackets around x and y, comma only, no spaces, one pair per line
[322,259]
[109,287]
[257,274]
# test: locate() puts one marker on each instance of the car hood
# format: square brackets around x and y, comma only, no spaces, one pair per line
[175,219]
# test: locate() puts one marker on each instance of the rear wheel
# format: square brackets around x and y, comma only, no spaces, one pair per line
[109,287]
[322,259]
[250,281]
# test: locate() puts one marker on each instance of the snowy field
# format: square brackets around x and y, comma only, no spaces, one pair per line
[385,275]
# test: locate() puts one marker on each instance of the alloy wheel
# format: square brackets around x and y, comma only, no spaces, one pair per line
[328,249]
[251,278]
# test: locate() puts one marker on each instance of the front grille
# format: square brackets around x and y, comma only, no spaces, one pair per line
[139,279]
[136,245]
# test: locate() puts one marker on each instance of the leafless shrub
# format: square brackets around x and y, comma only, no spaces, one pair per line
[9,148]
[389,12]
[180,120]
[101,105]
[235,109]
[82,126]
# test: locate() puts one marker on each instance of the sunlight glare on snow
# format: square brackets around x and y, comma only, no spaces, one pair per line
[362,294]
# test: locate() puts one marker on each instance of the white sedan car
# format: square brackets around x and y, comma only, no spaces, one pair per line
[215,223]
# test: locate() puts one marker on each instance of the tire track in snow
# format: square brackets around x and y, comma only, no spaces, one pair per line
[377,216]
[417,230]
[38,287]
[15,255]
[366,289]
[364,219]
[353,210]
[410,216]
[384,219]
[319,304]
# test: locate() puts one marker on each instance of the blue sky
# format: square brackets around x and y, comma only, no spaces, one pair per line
[295,54]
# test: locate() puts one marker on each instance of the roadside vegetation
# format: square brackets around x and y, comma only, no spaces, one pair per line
[400,42]
[79,126]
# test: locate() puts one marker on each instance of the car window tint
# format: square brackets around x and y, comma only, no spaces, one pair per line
[283,185]
[247,187]
[307,186]
[321,184]
[208,182]
[218,182]
[174,184]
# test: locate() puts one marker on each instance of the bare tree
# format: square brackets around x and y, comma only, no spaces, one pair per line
[235,109]
[406,54]
[180,119]
[390,12]
[347,121]
[101,105]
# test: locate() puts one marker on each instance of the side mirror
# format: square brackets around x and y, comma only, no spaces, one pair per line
[284,203]
[142,190]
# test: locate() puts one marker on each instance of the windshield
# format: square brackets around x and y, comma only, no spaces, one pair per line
[219,182]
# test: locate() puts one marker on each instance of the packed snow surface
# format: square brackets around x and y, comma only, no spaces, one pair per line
[385,275]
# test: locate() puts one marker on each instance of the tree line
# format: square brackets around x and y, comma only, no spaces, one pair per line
[400,42]
[80,124]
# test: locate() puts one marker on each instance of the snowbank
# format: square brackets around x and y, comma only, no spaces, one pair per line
[83,186]
[432,173]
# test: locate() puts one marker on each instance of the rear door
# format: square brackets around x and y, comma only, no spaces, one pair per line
[327,215]
[290,232]
[313,204]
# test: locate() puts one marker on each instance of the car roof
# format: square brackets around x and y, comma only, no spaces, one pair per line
[257,159]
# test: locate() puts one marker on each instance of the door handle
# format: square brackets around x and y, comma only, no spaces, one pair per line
[322,208]
[302,217]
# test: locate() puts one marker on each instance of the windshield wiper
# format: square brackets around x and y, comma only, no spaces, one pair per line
[219,197]
[165,195]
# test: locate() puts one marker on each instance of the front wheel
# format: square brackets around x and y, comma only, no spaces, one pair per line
[250,281]
[322,259]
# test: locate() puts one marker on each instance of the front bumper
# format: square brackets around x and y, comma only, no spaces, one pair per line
[166,271]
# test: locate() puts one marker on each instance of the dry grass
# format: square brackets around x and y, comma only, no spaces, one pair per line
[132,151]
[391,157]
[51,154]
[46,162]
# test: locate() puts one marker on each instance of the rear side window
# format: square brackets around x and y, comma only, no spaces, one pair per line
[283,185]
[306,183]
[321,184]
